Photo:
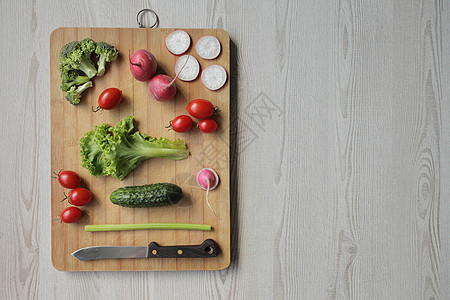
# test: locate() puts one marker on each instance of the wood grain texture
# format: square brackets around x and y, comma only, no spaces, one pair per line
[349,183]
[70,123]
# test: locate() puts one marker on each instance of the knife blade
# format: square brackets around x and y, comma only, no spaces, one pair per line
[208,248]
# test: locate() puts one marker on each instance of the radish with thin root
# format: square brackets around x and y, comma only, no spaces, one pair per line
[191,69]
[142,64]
[208,47]
[162,87]
[214,77]
[178,42]
[208,180]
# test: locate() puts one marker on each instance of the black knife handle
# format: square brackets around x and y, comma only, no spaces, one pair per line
[208,248]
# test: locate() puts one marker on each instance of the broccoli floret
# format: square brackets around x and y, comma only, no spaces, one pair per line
[106,53]
[116,151]
[76,56]
[73,95]
[76,67]
[70,78]
[88,46]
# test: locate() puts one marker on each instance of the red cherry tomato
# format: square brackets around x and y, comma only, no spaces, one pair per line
[79,197]
[71,214]
[110,98]
[207,126]
[200,108]
[68,179]
[181,123]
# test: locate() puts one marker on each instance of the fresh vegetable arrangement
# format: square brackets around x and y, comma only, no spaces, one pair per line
[118,150]
[143,66]
[201,109]
[78,196]
[77,68]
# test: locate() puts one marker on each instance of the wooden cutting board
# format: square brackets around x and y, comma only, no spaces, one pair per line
[70,122]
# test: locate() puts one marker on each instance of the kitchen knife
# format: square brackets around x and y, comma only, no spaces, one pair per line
[208,248]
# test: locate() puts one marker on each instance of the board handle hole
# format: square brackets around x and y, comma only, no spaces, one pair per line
[209,250]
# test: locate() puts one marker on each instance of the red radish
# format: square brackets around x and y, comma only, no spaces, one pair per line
[205,175]
[162,87]
[214,77]
[178,42]
[208,47]
[191,69]
[142,65]
[208,180]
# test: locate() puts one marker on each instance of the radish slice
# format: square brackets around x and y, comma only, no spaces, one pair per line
[178,42]
[208,47]
[191,69]
[214,77]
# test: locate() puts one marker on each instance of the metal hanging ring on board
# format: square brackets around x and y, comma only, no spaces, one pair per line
[147,10]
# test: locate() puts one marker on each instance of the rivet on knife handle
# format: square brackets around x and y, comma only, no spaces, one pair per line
[208,248]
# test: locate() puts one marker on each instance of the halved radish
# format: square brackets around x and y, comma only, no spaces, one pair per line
[191,69]
[178,42]
[208,47]
[214,77]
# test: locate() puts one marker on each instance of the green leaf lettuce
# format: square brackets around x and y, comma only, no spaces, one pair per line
[118,150]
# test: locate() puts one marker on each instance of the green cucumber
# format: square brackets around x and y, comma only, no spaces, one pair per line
[150,195]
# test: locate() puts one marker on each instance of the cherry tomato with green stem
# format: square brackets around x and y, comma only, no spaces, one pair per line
[181,123]
[79,196]
[207,126]
[71,214]
[68,179]
[109,99]
[201,109]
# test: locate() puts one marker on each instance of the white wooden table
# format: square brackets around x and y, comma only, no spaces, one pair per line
[341,179]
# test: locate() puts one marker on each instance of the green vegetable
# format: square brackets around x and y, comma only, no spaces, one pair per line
[76,67]
[117,227]
[106,53]
[150,195]
[73,95]
[76,56]
[71,78]
[118,150]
